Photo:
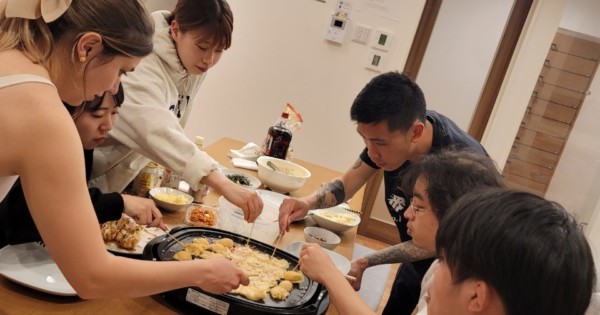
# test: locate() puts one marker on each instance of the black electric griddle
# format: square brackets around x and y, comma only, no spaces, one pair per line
[308,297]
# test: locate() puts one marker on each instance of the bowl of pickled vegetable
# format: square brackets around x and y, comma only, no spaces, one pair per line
[242,179]
[170,199]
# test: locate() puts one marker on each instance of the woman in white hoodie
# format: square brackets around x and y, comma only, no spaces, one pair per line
[72,50]
[187,42]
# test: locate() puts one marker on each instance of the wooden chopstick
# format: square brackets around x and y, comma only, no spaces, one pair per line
[279,237]
[251,228]
[350,278]
[173,237]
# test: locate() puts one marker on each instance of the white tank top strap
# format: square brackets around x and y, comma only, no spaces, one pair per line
[22,78]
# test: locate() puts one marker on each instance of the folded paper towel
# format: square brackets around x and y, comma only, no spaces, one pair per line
[241,163]
[251,151]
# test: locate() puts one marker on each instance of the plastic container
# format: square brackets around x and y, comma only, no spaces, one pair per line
[231,219]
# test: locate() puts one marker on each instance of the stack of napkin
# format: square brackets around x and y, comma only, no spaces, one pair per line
[246,156]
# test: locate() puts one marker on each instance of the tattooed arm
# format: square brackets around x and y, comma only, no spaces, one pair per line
[330,194]
[399,253]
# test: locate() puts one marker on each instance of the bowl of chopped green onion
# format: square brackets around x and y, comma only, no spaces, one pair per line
[241,178]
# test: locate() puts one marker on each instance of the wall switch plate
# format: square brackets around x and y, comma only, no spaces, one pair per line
[361,34]
[382,40]
[376,60]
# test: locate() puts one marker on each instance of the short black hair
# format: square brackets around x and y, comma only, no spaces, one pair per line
[530,250]
[450,174]
[93,105]
[391,97]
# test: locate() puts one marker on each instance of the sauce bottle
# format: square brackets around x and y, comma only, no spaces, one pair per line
[278,138]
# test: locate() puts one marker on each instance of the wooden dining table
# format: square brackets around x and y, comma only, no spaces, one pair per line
[18,299]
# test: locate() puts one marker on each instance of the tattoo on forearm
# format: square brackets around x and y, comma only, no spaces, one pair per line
[331,194]
[357,164]
[399,253]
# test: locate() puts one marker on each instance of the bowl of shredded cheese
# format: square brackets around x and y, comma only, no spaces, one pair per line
[335,219]
[170,199]
[288,177]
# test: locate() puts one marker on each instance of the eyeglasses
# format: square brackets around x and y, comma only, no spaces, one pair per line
[415,208]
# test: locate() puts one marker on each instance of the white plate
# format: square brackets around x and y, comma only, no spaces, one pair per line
[254,182]
[341,262]
[148,233]
[30,264]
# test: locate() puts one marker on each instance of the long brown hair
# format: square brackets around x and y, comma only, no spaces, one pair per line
[124,25]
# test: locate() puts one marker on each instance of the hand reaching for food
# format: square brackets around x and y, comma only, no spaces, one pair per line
[291,209]
[143,211]
[220,276]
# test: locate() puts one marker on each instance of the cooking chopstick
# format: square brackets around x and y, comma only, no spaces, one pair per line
[173,237]
[251,228]
[279,237]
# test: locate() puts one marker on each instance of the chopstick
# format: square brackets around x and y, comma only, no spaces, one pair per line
[173,237]
[251,228]
[350,278]
[279,237]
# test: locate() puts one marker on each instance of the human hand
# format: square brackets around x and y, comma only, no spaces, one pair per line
[315,263]
[357,269]
[143,211]
[291,209]
[247,200]
[220,276]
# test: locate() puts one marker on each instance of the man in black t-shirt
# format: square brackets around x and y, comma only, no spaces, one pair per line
[392,119]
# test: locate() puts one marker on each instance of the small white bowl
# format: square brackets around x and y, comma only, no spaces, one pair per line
[254,182]
[167,205]
[323,237]
[291,178]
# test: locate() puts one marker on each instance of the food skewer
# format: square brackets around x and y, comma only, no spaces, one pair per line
[250,234]
[173,237]
[279,237]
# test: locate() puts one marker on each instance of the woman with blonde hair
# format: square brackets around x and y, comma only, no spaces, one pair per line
[76,50]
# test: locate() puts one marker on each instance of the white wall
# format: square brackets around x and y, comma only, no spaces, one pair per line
[460,52]
[279,55]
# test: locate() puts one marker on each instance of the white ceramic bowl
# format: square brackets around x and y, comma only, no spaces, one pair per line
[341,262]
[323,237]
[292,177]
[231,218]
[335,219]
[231,174]
[185,199]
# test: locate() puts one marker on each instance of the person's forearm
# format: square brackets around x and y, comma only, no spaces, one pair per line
[399,253]
[346,300]
[329,195]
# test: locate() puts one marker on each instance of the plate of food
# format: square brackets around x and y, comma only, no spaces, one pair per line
[201,215]
[241,178]
[124,236]
[30,264]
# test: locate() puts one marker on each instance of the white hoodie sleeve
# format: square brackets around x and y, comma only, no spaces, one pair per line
[147,126]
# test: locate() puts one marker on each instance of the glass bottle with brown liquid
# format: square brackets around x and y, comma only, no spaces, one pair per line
[278,139]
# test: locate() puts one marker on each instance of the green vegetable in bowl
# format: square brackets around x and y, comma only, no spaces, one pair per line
[239,179]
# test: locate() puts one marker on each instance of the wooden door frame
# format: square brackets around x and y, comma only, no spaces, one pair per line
[386,232]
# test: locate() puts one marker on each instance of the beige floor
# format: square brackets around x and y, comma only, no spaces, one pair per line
[375,244]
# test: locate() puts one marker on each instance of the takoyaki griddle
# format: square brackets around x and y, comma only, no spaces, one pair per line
[308,297]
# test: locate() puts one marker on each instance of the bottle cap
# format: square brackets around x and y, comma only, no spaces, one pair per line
[199,140]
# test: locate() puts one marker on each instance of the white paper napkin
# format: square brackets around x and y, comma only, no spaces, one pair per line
[251,151]
[241,163]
